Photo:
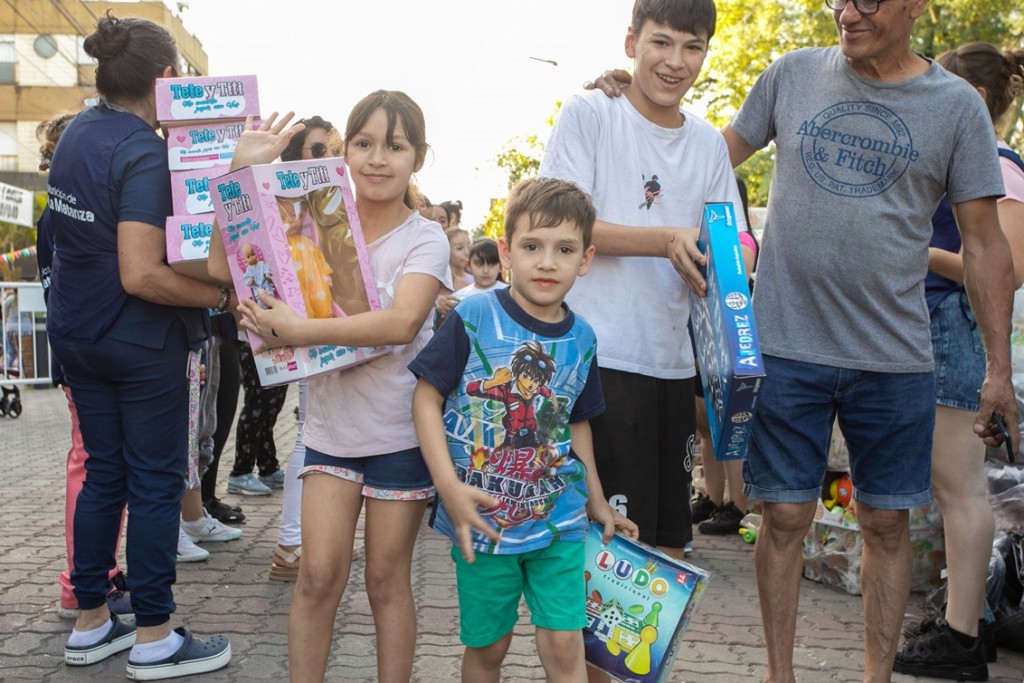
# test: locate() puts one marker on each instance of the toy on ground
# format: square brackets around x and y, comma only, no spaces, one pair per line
[749,526]
[840,492]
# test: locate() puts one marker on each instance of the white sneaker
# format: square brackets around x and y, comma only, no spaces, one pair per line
[209,529]
[189,551]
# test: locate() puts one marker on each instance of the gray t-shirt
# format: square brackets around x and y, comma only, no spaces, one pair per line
[860,168]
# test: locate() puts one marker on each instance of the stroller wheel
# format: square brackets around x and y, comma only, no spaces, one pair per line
[4,403]
[14,409]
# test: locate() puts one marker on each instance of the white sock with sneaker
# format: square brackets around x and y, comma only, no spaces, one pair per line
[90,637]
[158,649]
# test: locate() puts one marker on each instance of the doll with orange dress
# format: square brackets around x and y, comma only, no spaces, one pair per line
[311,269]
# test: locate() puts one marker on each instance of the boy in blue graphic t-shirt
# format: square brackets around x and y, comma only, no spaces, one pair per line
[506,389]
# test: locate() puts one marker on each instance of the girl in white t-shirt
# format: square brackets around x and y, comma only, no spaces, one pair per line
[485,268]
[361,448]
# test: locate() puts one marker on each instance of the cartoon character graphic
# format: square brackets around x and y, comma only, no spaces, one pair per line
[516,387]
[257,276]
[652,190]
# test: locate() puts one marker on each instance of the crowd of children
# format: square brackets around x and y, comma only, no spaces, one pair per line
[507,362]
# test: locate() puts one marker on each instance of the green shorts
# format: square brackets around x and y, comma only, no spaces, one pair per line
[551,580]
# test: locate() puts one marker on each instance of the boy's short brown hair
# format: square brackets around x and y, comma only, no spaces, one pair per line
[691,16]
[546,202]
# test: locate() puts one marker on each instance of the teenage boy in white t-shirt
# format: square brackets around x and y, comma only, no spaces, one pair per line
[649,166]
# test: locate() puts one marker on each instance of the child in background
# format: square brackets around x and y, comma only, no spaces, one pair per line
[458,243]
[361,448]
[485,267]
[545,374]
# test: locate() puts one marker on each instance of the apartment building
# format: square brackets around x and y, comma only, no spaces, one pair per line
[44,69]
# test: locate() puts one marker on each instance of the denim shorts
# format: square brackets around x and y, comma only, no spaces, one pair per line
[551,579]
[886,418]
[392,476]
[959,353]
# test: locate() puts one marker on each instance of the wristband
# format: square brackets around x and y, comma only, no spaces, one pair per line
[225,300]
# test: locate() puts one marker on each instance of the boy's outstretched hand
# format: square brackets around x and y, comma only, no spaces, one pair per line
[463,503]
[612,520]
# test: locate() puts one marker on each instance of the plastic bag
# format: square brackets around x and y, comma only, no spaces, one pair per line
[1009,606]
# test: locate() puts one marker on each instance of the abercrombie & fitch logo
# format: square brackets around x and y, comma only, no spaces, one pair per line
[856,149]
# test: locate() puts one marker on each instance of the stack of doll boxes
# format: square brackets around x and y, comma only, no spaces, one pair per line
[291,231]
[202,117]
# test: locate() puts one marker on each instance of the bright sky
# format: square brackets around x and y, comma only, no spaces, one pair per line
[466,63]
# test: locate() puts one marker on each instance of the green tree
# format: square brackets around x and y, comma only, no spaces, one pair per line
[520,159]
[750,36]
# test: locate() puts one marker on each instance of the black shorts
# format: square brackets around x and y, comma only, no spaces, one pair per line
[643,450]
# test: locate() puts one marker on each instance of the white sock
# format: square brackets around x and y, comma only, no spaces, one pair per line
[198,524]
[90,637]
[158,649]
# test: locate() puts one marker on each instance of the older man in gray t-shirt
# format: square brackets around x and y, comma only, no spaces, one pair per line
[868,137]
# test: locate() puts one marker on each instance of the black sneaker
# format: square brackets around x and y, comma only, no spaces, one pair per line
[702,508]
[222,512]
[986,631]
[726,520]
[936,653]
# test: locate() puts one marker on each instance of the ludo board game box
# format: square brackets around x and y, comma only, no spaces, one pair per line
[639,602]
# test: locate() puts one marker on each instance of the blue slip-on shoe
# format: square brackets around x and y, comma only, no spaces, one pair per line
[120,638]
[195,656]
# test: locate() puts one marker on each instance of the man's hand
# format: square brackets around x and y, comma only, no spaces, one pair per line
[685,256]
[463,502]
[610,82]
[997,397]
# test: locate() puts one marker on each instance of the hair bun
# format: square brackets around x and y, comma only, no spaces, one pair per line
[110,39]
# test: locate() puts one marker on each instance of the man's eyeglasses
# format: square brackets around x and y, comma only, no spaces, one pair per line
[863,6]
[317,150]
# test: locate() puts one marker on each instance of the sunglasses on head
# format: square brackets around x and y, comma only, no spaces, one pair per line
[317,150]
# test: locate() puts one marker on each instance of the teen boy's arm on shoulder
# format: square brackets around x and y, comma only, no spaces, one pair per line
[462,502]
[598,508]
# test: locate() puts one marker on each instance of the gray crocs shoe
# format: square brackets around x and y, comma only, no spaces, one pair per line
[195,656]
[120,638]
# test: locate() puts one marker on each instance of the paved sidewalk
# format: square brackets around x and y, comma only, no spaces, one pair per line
[230,592]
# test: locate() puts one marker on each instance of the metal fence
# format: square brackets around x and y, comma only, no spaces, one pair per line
[24,351]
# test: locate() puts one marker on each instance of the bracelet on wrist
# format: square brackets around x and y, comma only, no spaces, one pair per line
[225,300]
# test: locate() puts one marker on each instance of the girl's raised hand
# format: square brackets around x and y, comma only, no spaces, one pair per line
[266,144]
[277,323]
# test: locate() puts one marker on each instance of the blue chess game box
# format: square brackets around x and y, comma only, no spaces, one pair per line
[639,602]
[728,352]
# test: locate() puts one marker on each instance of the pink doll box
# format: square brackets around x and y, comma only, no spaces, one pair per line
[252,206]
[203,145]
[200,98]
[188,244]
[191,193]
